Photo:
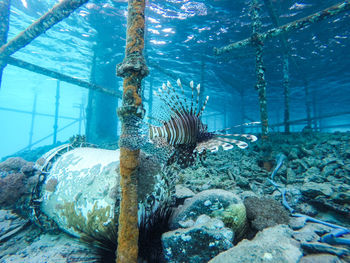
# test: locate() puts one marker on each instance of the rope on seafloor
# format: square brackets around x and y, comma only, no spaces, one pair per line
[333,237]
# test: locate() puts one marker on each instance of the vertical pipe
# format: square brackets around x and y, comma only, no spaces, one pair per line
[133,69]
[4,26]
[201,100]
[314,110]
[55,126]
[260,70]
[286,92]
[33,120]
[307,105]
[80,117]
[242,110]
[225,117]
[150,99]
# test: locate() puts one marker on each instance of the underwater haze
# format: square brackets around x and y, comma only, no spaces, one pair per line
[238,151]
[180,38]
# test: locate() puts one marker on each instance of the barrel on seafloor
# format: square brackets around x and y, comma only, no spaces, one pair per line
[81,190]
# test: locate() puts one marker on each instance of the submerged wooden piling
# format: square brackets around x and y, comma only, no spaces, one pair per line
[60,11]
[4,25]
[133,69]
[259,68]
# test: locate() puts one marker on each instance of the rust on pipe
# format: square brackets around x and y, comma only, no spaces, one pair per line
[133,69]
[260,69]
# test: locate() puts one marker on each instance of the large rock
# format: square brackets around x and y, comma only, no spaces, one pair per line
[207,238]
[273,245]
[265,212]
[215,203]
[17,180]
[312,189]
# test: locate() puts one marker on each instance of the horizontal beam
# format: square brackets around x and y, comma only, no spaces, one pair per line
[331,115]
[53,74]
[295,25]
[37,113]
[60,11]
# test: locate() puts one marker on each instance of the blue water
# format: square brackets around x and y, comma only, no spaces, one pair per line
[180,38]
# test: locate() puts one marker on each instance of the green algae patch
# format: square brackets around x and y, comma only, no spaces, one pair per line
[234,217]
[96,220]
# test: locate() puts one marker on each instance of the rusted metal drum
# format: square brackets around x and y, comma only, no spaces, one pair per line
[80,191]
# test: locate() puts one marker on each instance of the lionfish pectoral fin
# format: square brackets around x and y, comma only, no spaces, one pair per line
[135,134]
[250,137]
[157,148]
[213,145]
[238,143]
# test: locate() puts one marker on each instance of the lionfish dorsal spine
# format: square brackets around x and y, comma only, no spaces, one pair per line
[165,98]
[203,107]
[198,88]
[176,98]
[182,91]
[192,96]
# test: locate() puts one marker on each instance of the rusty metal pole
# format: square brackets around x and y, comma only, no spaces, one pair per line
[292,26]
[286,91]
[260,69]
[60,11]
[4,25]
[133,69]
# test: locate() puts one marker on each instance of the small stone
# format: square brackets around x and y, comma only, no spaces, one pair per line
[187,223]
[297,223]
[320,258]
[202,219]
[316,247]
[207,203]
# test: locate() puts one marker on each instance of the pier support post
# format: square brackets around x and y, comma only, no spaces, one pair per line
[55,126]
[60,11]
[295,25]
[133,69]
[286,91]
[260,69]
[4,25]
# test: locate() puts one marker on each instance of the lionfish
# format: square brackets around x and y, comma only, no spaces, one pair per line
[181,136]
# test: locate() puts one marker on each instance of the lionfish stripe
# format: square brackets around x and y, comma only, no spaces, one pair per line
[173,131]
[179,131]
[184,129]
